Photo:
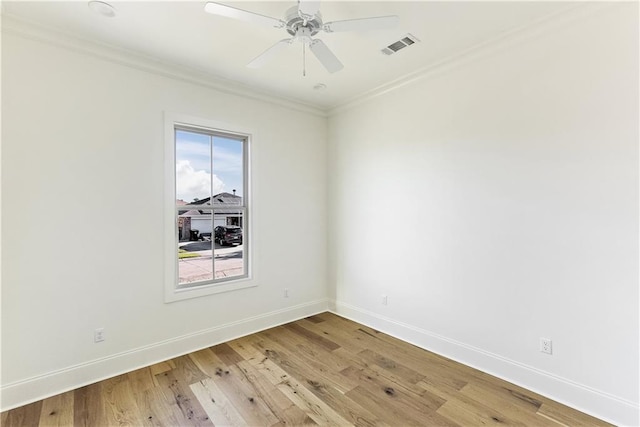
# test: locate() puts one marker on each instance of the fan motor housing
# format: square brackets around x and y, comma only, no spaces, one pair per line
[295,21]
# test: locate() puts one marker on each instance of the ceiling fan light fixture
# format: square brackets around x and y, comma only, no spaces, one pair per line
[102,8]
[302,22]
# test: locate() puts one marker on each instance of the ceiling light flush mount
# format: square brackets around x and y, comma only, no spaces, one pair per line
[102,8]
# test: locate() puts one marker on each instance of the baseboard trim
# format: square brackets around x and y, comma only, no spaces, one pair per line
[602,405]
[23,392]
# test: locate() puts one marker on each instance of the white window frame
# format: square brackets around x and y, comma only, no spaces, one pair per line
[173,292]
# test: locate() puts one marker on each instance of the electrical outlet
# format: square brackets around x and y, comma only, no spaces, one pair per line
[98,335]
[545,345]
[286,293]
[385,300]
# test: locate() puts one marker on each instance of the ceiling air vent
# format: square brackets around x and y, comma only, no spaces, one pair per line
[405,41]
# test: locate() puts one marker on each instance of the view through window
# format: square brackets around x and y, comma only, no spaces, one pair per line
[210,206]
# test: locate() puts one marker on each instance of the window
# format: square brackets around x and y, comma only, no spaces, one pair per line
[208,192]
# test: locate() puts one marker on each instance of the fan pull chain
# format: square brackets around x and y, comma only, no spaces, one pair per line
[304,60]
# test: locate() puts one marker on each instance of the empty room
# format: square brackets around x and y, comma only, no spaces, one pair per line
[389,213]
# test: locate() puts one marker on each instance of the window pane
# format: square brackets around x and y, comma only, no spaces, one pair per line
[193,166]
[194,246]
[227,168]
[229,244]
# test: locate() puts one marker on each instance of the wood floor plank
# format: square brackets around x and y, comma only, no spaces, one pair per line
[314,319]
[322,317]
[216,404]
[509,390]
[414,396]
[27,415]
[208,363]
[336,334]
[340,322]
[80,408]
[511,406]
[502,395]
[311,405]
[318,356]
[321,370]
[57,410]
[420,361]
[468,412]
[307,349]
[326,362]
[141,379]
[391,366]
[312,336]
[303,366]
[283,408]
[245,398]
[89,405]
[397,381]
[394,411]
[226,354]
[161,367]
[187,371]
[153,411]
[315,408]
[443,390]
[244,347]
[561,416]
[330,395]
[343,405]
[120,407]
[184,405]
[381,340]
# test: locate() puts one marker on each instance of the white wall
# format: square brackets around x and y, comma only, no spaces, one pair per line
[513,183]
[82,142]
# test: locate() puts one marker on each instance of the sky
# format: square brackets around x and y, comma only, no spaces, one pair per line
[194,166]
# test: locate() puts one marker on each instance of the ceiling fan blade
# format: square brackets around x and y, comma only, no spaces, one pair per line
[325,56]
[309,7]
[364,24]
[242,15]
[268,54]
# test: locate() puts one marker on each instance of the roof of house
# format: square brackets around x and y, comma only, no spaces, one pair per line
[219,200]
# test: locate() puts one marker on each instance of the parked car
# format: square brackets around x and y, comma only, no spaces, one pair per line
[228,235]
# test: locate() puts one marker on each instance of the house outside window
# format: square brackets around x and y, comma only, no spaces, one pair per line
[208,185]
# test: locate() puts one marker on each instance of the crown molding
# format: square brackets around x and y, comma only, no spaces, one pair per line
[33,31]
[573,13]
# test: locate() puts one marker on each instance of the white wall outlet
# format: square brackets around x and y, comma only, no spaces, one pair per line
[545,345]
[286,293]
[385,300]
[98,335]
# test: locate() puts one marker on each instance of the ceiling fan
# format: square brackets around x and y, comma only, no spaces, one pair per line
[303,22]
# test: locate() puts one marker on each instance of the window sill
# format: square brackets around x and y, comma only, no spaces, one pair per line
[180,294]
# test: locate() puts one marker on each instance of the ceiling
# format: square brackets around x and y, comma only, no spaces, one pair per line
[182,33]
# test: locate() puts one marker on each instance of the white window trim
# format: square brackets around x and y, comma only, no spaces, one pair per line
[172,292]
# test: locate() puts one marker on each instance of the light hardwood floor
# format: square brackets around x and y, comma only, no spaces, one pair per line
[323,370]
